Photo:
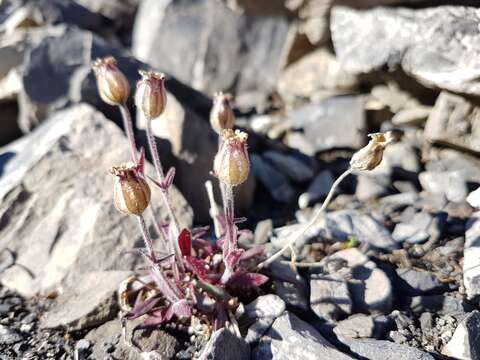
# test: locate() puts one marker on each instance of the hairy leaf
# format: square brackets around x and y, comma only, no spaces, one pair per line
[247,280]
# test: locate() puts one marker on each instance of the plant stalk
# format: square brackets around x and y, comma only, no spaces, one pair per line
[312,221]
[128,126]
[166,287]
[165,195]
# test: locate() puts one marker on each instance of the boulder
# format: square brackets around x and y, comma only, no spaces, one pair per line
[452,122]
[313,76]
[56,214]
[290,338]
[471,257]
[465,339]
[435,45]
[222,49]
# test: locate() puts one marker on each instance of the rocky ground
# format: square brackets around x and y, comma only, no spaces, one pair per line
[392,271]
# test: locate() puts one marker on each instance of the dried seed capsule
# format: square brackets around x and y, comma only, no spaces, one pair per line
[131,193]
[112,84]
[370,156]
[151,95]
[231,164]
[221,116]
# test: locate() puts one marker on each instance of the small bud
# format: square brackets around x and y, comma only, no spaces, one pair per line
[151,95]
[131,193]
[370,156]
[112,84]
[221,116]
[231,164]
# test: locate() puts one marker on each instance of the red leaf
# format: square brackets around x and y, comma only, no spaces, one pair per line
[184,242]
[169,177]
[233,257]
[142,308]
[198,267]
[158,317]
[247,280]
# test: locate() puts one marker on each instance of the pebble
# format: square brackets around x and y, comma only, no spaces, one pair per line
[465,341]
[329,296]
[471,257]
[414,282]
[9,336]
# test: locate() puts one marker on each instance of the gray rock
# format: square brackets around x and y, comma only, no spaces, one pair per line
[465,339]
[293,339]
[384,350]
[452,184]
[50,12]
[435,45]
[263,231]
[474,198]
[67,224]
[302,80]
[9,336]
[371,290]
[121,12]
[329,296]
[356,326]
[455,161]
[253,7]
[401,160]
[275,181]
[66,54]
[149,343]
[439,304]
[260,314]
[342,118]
[224,50]
[294,168]
[416,282]
[452,122]
[297,140]
[364,228]
[471,257]
[224,345]
[87,301]
[318,189]
[421,227]
[371,186]
[416,115]
[369,287]
[289,285]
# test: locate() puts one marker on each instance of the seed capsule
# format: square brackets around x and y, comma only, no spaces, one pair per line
[221,116]
[151,95]
[231,164]
[131,193]
[370,156]
[112,84]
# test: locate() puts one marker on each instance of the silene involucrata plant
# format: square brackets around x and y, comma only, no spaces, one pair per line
[189,279]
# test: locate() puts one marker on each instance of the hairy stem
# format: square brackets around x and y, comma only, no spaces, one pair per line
[170,292]
[128,125]
[146,237]
[166,199]
[214,211]
[230,241]
[312,221]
